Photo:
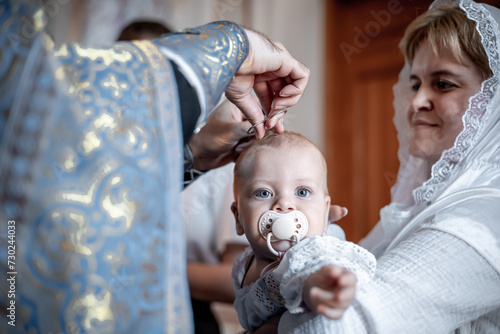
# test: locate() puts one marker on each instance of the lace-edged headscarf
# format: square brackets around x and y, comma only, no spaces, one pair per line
[462,194]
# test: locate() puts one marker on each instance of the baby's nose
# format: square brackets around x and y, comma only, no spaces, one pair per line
[283,204]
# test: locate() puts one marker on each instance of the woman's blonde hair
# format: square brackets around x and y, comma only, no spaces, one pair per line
[446,26]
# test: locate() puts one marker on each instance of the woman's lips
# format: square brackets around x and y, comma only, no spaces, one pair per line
[419,122]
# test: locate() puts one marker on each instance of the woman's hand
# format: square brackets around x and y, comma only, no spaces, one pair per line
[336,213]
[278,79]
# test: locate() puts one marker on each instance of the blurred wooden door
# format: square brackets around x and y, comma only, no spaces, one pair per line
[362,64]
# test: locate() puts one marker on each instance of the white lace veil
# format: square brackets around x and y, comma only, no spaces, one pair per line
[462,196]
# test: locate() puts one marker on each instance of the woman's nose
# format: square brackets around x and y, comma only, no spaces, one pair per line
[283,204]
[422,100]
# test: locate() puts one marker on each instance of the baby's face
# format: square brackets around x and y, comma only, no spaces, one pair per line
[281,180]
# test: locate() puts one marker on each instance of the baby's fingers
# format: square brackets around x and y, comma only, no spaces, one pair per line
[329,312]
[333,304]
[338,298]
[342,298]
[346,279]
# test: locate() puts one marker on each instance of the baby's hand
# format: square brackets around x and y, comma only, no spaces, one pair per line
[330,291]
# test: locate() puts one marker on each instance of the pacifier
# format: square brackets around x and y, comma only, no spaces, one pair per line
[275,226]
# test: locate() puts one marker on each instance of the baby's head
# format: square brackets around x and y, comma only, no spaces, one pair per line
[282,173]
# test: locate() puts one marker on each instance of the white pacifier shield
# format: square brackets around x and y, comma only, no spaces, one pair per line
[290,226]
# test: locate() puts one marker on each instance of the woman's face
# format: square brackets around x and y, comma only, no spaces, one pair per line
[442,88]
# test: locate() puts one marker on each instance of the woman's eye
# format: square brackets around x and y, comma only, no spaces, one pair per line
[302,192]
[264,193]
[415,87]
[445,85]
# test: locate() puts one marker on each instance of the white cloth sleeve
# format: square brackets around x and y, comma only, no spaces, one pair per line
[431,283]
[254,303]
[313,253]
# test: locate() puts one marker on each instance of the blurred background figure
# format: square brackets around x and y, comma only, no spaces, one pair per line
[212,246]
[143,29]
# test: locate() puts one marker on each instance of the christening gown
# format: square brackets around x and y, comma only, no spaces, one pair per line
[91,174]
[279,290]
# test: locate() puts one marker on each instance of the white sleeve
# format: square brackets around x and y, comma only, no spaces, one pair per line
[431,283]
[254,303]
[208,221]
[313,253]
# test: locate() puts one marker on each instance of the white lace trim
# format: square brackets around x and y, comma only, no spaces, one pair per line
[258,301]
[312,254]
[282,286]
[479,107]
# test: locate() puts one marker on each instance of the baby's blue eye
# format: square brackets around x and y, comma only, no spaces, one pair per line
[303,192]
[264,193]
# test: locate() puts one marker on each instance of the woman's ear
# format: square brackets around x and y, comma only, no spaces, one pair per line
[239,227]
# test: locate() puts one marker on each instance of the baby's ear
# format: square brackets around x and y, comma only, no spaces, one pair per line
[327,211]
[239,227]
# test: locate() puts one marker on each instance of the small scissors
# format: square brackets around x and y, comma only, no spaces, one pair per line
[251,130]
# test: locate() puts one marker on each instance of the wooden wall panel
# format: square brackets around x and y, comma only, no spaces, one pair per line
[363,62]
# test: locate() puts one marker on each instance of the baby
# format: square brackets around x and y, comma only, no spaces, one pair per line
[281,205]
